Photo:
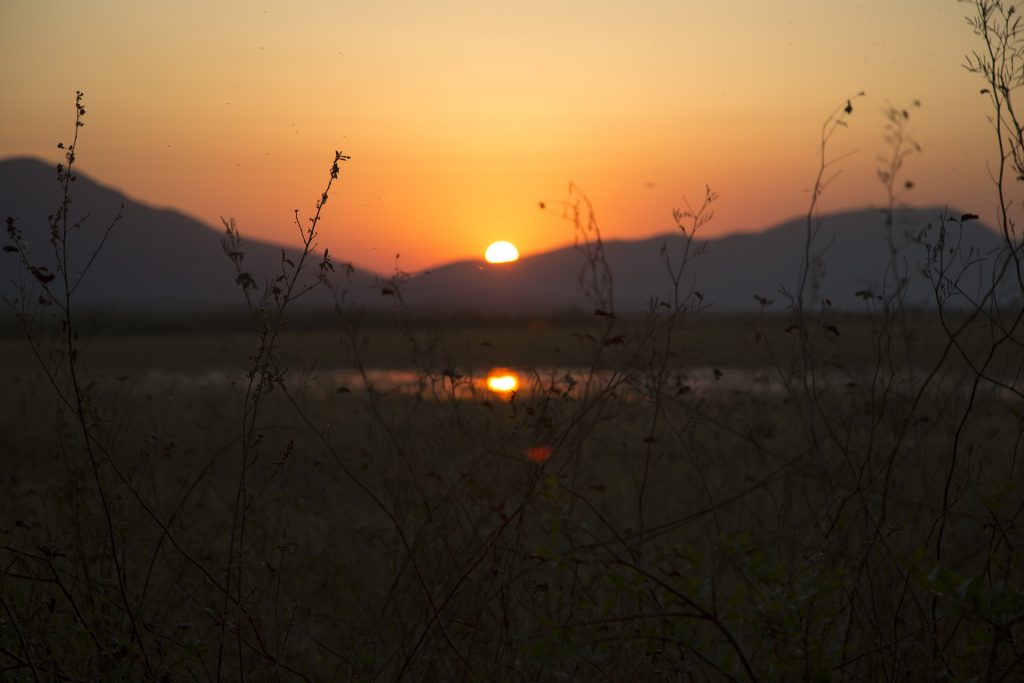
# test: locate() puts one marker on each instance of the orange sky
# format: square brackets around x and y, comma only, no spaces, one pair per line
[460,115]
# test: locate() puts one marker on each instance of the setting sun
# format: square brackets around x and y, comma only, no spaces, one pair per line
[501,252]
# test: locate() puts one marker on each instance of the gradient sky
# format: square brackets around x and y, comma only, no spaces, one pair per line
[461,115]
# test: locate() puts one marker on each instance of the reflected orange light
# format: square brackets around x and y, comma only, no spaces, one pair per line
[502,381]
[538,453]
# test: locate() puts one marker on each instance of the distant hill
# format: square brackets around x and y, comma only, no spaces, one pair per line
[728,273]
[153,259]
[159,259]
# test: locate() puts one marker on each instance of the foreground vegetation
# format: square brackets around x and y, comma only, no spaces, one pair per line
[852,513]
[405,535]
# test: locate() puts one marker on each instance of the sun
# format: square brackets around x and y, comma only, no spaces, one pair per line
[501,252]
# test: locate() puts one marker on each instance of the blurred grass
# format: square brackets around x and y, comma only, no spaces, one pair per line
[738,503]
[745,507]
[704,340]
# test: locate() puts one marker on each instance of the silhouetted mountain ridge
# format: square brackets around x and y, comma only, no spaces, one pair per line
[161,259]
[729,272]
[153,259]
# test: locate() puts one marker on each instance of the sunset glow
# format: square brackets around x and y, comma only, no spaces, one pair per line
[501,252]
[460,114]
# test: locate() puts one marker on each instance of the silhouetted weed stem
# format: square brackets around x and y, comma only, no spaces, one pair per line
[74,394]
[380,504]
[824,176]
[595,277]
[901,145]
[262,374]
[688,221]
[998,25]
[702,611]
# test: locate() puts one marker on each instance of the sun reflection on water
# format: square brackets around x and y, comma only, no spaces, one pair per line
[503,381]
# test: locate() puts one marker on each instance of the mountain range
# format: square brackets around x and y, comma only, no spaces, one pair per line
[160,259]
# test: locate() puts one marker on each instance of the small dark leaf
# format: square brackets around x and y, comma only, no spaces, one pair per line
[42,274]
[968,217]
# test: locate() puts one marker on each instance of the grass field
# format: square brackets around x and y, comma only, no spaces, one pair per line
[625,530]
[125,344]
